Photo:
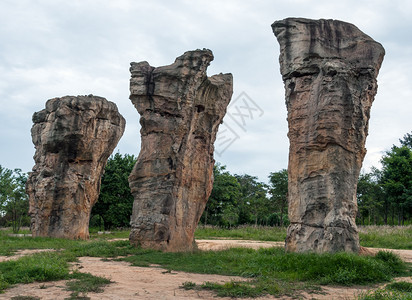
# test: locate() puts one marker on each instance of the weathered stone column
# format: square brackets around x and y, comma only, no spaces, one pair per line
[73,137]
[181,109]
[329,69]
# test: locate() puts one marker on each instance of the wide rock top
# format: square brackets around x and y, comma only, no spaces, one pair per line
[303,42]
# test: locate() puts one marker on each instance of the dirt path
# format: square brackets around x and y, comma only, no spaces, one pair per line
[156,283]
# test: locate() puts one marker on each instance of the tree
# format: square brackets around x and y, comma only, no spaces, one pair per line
[397,180]
[6,187]
[278,189]
[407,140]
[115,202]
[253,203]
[222,207]
[370,197]
[14,203]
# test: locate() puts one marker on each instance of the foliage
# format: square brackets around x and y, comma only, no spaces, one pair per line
[115,202]
[223,199]
[407,140]
[242,199]
[397,180]
[370,196]
[14,203]
[253,204]
[279,193]
[385,196]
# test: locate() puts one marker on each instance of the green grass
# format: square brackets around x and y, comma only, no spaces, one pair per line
[101,248]
[340,268]
[84,283]
[391,237]
[45,266]
[9,245]
[274,272]
[114,234]
[269,271]
[253,288]
[393,291]
[276,234]
[48,266]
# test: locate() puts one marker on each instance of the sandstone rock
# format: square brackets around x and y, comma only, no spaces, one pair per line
[329,69]
[73,137]
[181,109]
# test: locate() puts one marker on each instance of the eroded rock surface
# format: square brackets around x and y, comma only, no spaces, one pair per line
[73,137]
[329,69]
[181,109]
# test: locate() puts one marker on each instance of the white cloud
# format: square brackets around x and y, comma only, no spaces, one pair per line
[54,48]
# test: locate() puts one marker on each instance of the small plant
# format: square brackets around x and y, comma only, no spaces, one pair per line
[85,283]
[188,285]
[233,289]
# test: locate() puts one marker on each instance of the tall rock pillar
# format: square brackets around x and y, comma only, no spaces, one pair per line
[329,69]
[73,137]
[180,111]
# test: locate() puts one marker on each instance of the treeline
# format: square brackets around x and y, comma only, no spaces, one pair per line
[385,195]
[235,199]
[242,199]
[14,203]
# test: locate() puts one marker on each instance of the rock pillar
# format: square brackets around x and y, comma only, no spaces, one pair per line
[180,111]
[329,69]
[73,137]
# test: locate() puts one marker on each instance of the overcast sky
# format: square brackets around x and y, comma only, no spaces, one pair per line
[55,48]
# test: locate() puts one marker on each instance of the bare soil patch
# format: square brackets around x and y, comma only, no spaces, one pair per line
[157,283]
[20,253]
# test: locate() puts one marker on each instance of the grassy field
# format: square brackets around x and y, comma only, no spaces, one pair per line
[271,271]
[391,237]
[261,233]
